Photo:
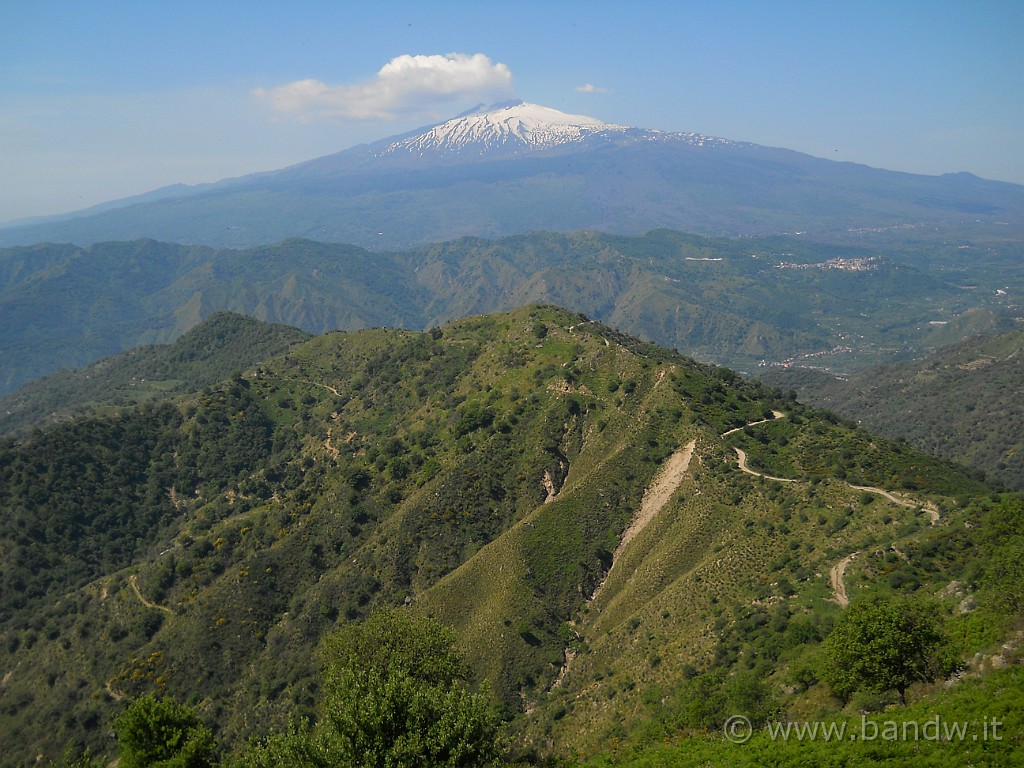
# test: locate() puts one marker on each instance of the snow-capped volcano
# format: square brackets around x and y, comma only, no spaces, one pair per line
[512,127]
[520,127]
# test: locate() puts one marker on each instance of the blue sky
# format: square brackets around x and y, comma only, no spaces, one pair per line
[100,100]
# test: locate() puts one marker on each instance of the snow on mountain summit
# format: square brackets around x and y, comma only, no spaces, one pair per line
[514,127]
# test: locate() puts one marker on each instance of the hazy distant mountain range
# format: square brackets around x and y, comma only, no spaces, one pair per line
[743,302]
[518,167]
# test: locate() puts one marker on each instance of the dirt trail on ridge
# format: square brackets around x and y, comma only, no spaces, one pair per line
[775,415]
[741,455]
[134,584]
[928,507]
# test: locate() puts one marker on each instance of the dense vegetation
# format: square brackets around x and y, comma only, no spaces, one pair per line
[948,729]
[83,500]
[963,402]
[481,475]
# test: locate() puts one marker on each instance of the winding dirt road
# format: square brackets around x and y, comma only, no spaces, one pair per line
[133,582]
[929,508]
[775,415]
[741,455]
[837,574]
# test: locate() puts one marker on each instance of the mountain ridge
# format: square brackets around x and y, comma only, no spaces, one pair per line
[735,301]
[221,344]
[200,547]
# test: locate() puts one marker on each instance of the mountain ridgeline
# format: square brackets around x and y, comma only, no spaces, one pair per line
[614,531]
[223,344]
[739,302]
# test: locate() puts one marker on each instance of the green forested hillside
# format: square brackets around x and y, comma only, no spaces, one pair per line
[221,345]
[594,517]
[963,402]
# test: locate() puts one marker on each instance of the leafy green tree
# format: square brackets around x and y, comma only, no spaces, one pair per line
[396,695]
[294,748]
[161,733]
[883,644]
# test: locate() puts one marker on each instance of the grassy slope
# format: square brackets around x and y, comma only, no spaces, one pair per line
[727,540]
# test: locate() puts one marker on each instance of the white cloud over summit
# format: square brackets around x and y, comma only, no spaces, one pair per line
[407,85]
[591,88]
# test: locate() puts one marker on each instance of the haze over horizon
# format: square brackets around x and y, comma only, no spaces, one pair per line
[105,103]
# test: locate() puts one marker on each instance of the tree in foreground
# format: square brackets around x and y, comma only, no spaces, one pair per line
[160,733]
[883,644]
[395,694]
